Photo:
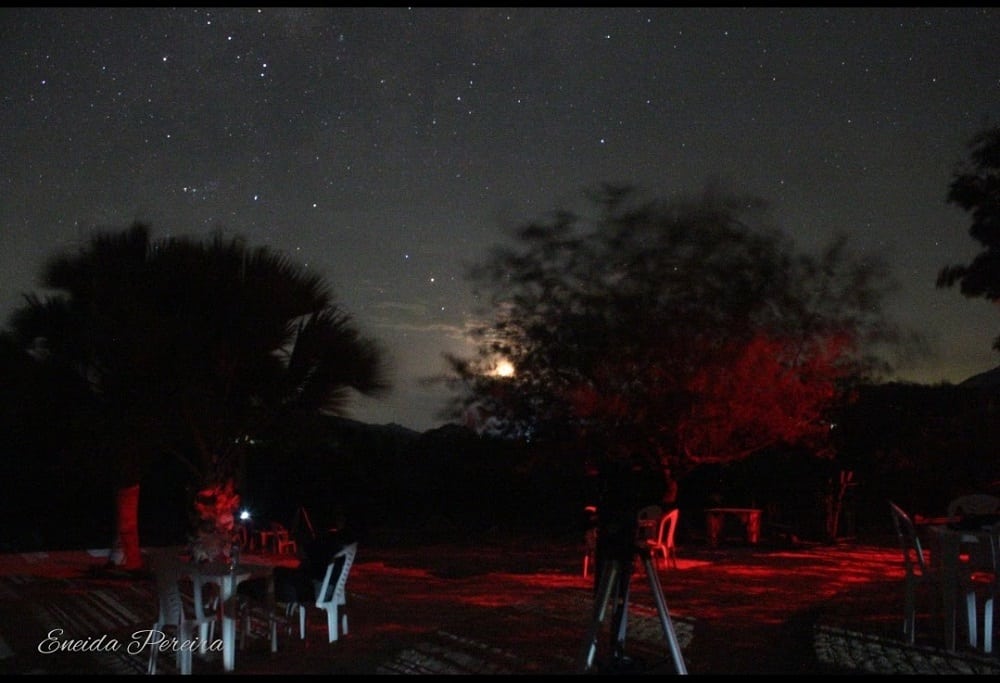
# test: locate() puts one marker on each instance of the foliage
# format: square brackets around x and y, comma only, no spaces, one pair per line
[196,349]
[215,531]
[975,188]
[921,444]
[195,345]
[762,394]
[679,327]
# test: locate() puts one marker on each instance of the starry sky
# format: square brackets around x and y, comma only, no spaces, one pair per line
[388,148]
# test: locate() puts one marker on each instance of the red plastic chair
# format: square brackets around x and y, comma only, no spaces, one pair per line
[662,545]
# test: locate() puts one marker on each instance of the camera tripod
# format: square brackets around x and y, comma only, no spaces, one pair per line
[616,577]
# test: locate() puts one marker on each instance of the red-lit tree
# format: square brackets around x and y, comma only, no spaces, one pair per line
[192,349]
[675,325]
[772,392]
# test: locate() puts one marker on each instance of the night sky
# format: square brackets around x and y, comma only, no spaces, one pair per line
[388,148]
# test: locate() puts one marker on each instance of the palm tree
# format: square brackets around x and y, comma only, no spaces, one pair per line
[194,349]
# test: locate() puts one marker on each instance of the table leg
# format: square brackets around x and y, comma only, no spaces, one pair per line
[753,527]
[228,643]
[713,527]
[203,634]
[203,629]
[949,582]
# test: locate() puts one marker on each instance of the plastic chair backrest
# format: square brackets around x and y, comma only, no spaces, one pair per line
[648,519]
[974,504]
[328,593]
[909,541]
[668,526]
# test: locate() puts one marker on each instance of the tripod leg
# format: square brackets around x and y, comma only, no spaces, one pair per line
[620,619]
[609,578]
[661,608]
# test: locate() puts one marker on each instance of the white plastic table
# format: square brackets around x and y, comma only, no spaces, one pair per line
[227,578]
[946,554]
[715,518]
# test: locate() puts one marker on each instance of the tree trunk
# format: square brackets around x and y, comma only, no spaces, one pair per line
[125,551]
[835,503]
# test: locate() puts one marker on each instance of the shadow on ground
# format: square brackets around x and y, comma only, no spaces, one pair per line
[520,607]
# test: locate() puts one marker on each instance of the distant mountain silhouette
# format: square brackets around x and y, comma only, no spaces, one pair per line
[350,424]
[984,380]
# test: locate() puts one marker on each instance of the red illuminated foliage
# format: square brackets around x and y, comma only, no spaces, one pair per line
[774,392]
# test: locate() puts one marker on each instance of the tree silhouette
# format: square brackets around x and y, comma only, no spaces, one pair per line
[673,326]
[975,187]
[191,348]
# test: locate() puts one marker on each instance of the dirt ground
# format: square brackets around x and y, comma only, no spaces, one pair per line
[516,606]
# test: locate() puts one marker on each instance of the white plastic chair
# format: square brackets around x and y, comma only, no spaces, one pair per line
[283,541]
[983,563]
[974,504]
[920,572]
[174,615]
[991,583]
[662,545]
[331,594]
[266,608]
